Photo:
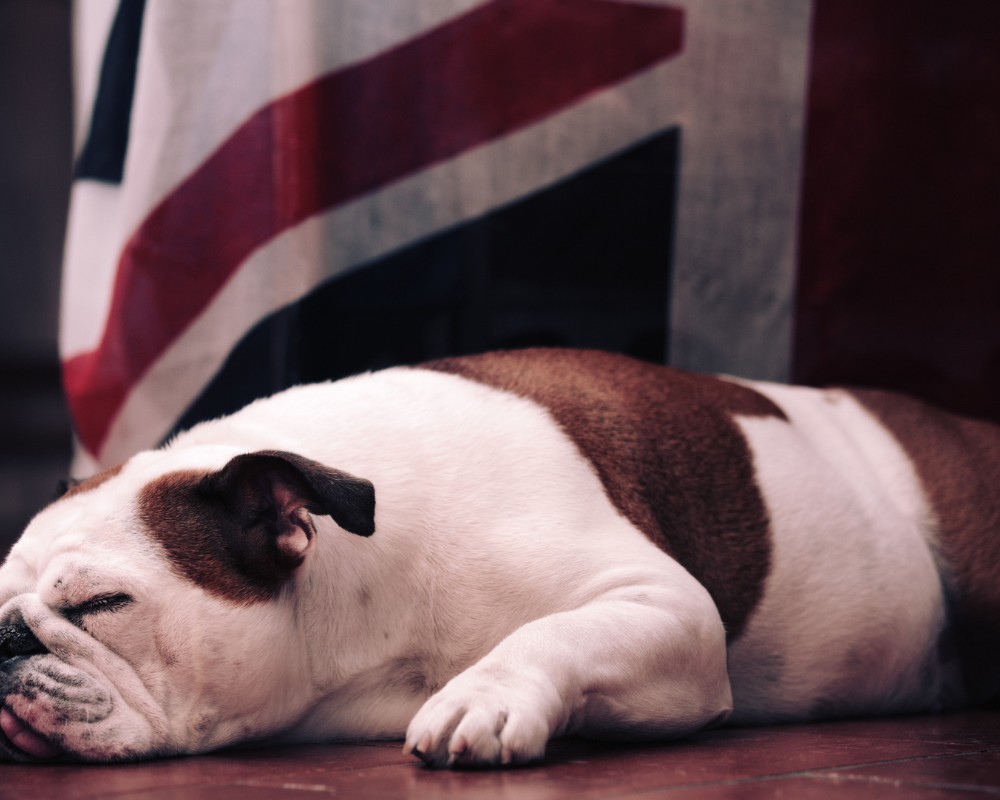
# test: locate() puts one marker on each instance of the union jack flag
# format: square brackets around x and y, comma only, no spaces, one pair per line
[275,191]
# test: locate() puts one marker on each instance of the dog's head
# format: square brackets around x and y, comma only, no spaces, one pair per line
[152,609]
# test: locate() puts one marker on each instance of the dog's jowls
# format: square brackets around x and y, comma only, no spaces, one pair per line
[482,553]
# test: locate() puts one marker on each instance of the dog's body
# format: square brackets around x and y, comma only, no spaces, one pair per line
[564,542]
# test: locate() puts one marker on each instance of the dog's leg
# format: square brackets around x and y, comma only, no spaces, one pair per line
[641,661]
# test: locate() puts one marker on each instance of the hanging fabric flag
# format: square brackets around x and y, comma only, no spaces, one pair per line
[276,191]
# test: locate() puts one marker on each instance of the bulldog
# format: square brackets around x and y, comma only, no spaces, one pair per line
[484,553]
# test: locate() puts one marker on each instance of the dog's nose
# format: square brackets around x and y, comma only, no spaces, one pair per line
[16,639]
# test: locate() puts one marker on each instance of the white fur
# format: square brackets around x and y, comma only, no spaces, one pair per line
[852,567]
[502,599]
[499,574]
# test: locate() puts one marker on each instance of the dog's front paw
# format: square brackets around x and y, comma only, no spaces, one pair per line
[482,718]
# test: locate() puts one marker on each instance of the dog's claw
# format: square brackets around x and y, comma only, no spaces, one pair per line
[420,749]
[458,746]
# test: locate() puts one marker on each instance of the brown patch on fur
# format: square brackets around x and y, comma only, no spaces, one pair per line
[958,461]
[91,483]
[204,541]
[667,450]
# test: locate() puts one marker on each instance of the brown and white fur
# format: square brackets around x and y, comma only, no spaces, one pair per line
[483,553]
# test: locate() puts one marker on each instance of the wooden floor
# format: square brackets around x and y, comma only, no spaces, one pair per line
[915,757]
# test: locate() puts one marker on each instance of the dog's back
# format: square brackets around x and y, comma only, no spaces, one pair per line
[851,539]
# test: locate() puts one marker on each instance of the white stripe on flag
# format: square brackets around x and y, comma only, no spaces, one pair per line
[745,80]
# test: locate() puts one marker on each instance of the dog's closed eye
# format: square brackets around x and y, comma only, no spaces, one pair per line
[99,604]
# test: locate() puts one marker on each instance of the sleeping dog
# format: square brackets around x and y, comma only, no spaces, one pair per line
[483,553]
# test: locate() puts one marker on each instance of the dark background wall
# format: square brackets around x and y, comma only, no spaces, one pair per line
[35,158]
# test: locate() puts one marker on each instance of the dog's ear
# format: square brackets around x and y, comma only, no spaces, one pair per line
[277,491]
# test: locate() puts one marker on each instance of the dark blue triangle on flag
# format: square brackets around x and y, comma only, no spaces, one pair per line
[585,262]
[102,157]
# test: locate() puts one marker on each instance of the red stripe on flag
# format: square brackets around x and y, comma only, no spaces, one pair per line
[897,285]
[486,74]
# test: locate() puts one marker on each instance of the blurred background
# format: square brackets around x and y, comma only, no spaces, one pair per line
[205,202]
[35,167]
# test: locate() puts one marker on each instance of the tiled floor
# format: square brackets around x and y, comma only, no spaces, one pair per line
[916,757]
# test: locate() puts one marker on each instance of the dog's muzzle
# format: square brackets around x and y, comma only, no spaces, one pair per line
[16,640]
[17,644]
